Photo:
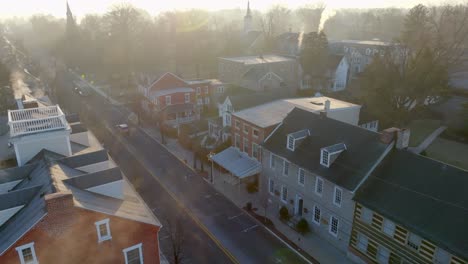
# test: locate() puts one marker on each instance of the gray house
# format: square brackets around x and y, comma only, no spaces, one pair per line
[313,165]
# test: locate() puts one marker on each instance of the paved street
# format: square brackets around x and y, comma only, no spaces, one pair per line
[157,174]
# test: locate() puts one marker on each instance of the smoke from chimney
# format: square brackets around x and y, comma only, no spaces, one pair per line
[17,84]
[326,14]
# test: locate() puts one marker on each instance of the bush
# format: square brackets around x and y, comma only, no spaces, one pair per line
[284,213]
[302,226]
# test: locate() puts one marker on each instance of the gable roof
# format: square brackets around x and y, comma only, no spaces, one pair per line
[425,196]
[168,81]
[89,180]
[350,168]
[258,73]
[334,61]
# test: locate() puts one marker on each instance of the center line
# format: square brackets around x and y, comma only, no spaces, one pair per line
[249,228]
[232,217]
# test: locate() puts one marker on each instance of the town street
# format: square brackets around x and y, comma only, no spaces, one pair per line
[213,234]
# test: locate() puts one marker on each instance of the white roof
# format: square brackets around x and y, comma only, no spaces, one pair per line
[237,163]
[258,59]
[173,90]
[273,113]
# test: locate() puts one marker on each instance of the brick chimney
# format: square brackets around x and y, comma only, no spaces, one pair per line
[60,201]
[388,135]
[400,136]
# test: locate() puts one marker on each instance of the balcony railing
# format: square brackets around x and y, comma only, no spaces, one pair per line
[181,120]
[34,120]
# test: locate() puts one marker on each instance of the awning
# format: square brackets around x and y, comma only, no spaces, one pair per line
[237,163]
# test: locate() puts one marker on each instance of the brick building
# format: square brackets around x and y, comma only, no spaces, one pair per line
[179,101]
[75,206]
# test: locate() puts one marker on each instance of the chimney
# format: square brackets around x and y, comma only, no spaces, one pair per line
[403,136]
[19,103]
[59,202]
[388,135]
[327,105]
[323,114]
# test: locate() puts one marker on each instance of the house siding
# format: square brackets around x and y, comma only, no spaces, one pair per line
[325,202]
[68,235]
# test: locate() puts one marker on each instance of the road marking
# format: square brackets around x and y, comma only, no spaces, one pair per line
[232,217]
[249,228]
[132,150]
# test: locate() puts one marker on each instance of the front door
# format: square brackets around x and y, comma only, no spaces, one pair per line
[298,208]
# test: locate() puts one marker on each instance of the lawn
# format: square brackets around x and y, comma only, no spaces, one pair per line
[450,152]
[420,129]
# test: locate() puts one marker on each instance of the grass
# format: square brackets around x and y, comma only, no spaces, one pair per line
[450,152]
[420,129]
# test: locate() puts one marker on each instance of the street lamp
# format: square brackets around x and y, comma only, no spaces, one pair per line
[210,158]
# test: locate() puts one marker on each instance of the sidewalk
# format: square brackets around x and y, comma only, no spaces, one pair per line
[315,246]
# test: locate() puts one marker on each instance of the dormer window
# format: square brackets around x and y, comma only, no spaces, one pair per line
[294,138]
[290,144]
[329,154]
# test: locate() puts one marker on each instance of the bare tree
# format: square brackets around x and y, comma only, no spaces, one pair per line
[176,231]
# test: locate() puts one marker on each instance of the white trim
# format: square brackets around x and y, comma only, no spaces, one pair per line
[281,198]
[170,100]
[270,180]
[299,177]
[337,225]
[272,163]
[33,252]
[334,196]
[185,97]
[108,236]
[149,88]
[328,158]
[284,167]
[272,132]
[40,219]
[313,215]
[139,246]
[317,179]
[253,134]
[289,137]
[269,73]
[244,127]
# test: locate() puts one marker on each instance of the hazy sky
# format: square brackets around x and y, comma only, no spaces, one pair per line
[11,8]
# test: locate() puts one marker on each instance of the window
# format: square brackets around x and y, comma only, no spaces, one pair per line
[285,168]
[317,215]
[334,226]
[388,227]
[301,176]
[318,186]
[200,101]
[284,194]
[27,254]
[337,197]
[366,215]
[103,230]
[198,90]
[271,186]
[324,158]
[368,51]
[237,122]
[414,241]
[246,145]
[206,90]
[255,132]
[255,151]
[220,89]
[362,242]
[228,120]
[187,98]
[168,100]
[383,255]
[246,129]
[133,255]
[237,141]
[207,100]
[272,160]
[290,143]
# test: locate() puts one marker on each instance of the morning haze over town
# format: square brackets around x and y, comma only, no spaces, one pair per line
[236,131]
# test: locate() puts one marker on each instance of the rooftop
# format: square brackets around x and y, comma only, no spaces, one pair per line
[363,147]
[425,196]
[273,113]
[258,59]
[364,42]
[36,120]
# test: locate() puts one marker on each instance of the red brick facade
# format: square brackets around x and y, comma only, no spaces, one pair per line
[67,234]
[243,132]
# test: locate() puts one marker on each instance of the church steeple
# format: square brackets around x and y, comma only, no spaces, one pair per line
[248,10]
[248,20]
